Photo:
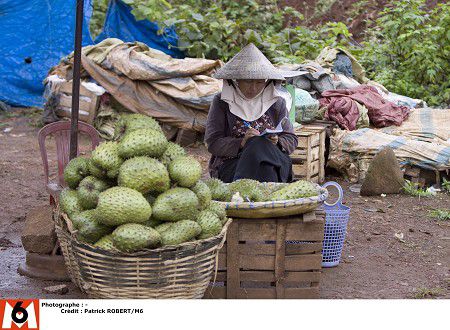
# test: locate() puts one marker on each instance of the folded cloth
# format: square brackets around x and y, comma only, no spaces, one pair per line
[342,108]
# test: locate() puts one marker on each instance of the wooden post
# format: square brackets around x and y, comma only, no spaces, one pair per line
[76,79]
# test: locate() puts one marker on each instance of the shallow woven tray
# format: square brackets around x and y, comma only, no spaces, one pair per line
[182,272]
[275,208]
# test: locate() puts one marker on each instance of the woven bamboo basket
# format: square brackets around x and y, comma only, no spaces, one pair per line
[171,272]
[272,209]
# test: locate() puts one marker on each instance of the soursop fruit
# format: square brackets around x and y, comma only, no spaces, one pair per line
[163,227]
[152,223]
[248,189]
[176,204]
[173,151]
[218,209]
[298,189]
[132,237]
[96,171]
[219,190]
[89,189]
[89,230]
[105,243]
[144,174]
[75,171]
[106,157]
[143,142]
[180,232]
[69,202]
[185,171]
[210,223]
[203,194]
[119,205]
[131,122]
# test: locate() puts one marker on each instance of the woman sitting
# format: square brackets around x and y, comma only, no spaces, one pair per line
[238,119]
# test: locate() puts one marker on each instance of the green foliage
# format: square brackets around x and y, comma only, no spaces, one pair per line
[440,214]
[409,50]
[98,17]
[411,188]
[446,185]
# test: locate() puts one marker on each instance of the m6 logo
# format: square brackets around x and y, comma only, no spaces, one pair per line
[19,314]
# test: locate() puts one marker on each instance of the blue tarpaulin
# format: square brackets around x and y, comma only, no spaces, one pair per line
[35,35]
[121,24]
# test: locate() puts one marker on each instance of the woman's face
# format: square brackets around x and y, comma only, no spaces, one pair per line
[251,87]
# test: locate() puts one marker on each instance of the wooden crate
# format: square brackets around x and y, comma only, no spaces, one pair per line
[260,259]
[88,103]
[308,160]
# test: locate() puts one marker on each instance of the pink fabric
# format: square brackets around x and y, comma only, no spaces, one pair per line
[342,108]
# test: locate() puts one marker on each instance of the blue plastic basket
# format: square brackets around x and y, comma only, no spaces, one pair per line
[336,219]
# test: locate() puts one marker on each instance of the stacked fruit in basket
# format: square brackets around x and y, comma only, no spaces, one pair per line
[139,191]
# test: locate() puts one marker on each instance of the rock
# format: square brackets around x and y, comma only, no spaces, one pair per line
[384,175]
[39,235]
[56,289]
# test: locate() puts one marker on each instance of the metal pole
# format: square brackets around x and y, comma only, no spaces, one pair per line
[76,79]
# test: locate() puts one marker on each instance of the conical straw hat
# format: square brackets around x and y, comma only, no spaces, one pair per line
[249,63]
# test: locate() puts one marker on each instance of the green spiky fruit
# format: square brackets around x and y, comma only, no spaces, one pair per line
[185,171]
[152,223]
[89,189]
[96,171]
[119,205]
[105,243]
[163,227]
[218,209]
[298,189]
[143,142]
[210,223]
[219,190]
[180,232]
[173,151]
[75,171]
[176,204]
[133,237]
[203,194]
[69,202]
[131,122]
[106,157]
[250,190]
[89,230]
[144,174]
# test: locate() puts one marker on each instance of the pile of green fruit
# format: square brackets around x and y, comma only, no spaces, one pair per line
[139,191]
[248,190]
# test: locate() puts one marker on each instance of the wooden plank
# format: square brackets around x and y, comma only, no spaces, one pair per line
[66,102]
[218,292]
[322,157]
[292,263]
[306,169]
[269,276]
[270,293]
[280,250]
[295,231]
[309,217]
[269,249]
[233,281]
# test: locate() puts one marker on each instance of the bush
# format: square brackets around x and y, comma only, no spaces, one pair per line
[409,49]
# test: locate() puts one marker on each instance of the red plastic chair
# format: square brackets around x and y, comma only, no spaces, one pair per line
[61,131]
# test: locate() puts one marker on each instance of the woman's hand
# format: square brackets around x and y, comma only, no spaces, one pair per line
[251,132]
[273,138]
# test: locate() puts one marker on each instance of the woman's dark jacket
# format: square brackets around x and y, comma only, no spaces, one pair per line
[222,145]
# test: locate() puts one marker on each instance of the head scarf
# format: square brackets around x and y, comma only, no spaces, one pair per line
[249,109]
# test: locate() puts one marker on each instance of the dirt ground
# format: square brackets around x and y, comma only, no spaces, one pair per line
[375,264]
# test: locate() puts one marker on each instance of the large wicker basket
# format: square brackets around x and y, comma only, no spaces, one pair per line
[178,272]
[275,208]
